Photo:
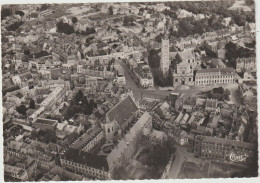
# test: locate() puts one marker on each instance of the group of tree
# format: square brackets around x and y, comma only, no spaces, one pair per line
[21,109]
[14,26]
[128,21]
[160,79]
[249,2]
[219,93]
[5,13]
[43,7]
[233,51]
[189,26]
[251,45]
[170,13]
[89,41]
[46,136]
[88,31]
[32,104]
[80,104]
[220,8]
[201,7]
[158,156]
[154,58]
[158,38]
[64,28]
[26,51]
[21,13]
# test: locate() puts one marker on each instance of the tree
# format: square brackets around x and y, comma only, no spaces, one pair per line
[21,13]
[64,28]
[90,30]
[143,31]
[218,90]
[21,109]
[44,7]
[26,51]
[110,10]
[32,104]
[78,97]
[128,21]
[158,38]
[212,19]
[74,20]
[249,2]
[226,94]
[91,105]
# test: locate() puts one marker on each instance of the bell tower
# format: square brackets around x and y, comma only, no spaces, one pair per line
[165,61]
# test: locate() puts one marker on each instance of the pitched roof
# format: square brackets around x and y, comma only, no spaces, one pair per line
[91,160]
[244,59]
[15,145]
[122,111]
[87,137]
[186,54]
[119,150]
[46,121]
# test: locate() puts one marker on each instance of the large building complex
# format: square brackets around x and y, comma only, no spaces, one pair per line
[223,149]
[119,118]
[246,64]
[55,97]
[215,76]
[104,167]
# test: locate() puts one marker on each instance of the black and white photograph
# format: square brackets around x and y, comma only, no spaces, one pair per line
[129,90]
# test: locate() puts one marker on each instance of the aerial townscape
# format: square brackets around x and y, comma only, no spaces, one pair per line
[137,90]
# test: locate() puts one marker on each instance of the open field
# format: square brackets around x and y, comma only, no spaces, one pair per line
[223,170]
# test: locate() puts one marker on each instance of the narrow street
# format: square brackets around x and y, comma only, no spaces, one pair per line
[233,95]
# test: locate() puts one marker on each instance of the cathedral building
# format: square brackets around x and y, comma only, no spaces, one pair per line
[187,62]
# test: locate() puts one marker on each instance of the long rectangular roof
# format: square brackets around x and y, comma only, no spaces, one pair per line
[227,142]
[222,70]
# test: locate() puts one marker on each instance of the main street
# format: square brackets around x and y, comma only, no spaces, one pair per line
[139,92]
[156,92]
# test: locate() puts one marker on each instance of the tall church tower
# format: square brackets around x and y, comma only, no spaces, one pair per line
[165,60]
